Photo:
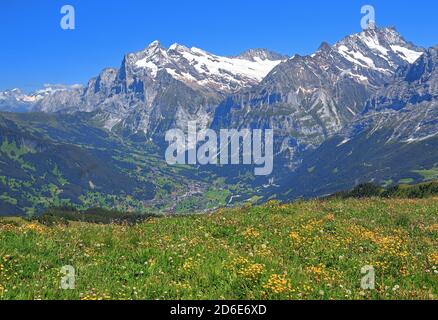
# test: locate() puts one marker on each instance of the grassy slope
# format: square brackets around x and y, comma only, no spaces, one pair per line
[305,250]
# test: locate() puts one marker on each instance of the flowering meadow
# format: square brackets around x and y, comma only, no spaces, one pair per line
[304,250]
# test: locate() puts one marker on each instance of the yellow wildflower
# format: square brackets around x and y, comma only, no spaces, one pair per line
[250,233]
[277,284]
[433,258]
[252,271]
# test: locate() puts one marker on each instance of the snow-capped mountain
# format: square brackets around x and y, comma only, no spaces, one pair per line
[11,100]
[308,99]
[304,99]
[198,68]
[17,101]
[408,106]
[157,88]
[395,138]
[376,52]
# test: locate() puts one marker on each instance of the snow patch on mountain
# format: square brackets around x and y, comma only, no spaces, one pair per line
[196,66]
[373,43]
[409,55]
[216,65]
[356,57]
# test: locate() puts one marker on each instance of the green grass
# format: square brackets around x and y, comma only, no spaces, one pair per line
[12,150]
[7,199]
[386,183]
[57,173]
[427,175]
[210,199]
[406,181]
[304,250]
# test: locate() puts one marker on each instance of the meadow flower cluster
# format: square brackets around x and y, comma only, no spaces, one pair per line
[94,296]
[252,271]
[433,258]
[188,265]
[33,227]
[278,284]
[251,233]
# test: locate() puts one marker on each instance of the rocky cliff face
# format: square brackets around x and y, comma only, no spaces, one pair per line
[408,106]
[393,140]
[308,99]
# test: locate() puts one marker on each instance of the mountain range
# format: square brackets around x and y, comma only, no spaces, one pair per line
[363,109]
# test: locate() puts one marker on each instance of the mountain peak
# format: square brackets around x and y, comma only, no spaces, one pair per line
[178,47]
[153,48]
[324,46]
[379,49]
[262,54]
[14,91]
[154,44]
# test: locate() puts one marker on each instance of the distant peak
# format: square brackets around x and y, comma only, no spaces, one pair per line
[377,37]
[153,47]
[324,47]
[174,46]
[155,43]
[385,32]
[14,91]
[178,47]
[262,54]
[391,29]
[109,70]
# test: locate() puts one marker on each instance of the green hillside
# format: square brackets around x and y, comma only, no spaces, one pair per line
[49,160]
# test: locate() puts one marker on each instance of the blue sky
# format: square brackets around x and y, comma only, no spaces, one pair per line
[35,50]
